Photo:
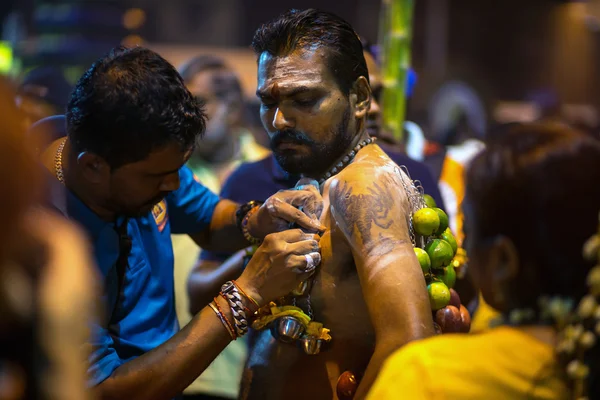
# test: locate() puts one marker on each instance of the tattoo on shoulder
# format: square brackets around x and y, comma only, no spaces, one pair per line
[359,212]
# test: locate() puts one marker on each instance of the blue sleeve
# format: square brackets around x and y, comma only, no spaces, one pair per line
[103,359]
[191,206]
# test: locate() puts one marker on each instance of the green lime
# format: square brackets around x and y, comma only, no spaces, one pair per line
[443,220]
[449,276]
[423,258]
[426,221]
[440,253]
[439,295]
[449,237]
[429,201]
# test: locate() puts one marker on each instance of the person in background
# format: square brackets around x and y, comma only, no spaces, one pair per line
[461,144]
[43,92]
[416,169]
[225,144]
[532,202]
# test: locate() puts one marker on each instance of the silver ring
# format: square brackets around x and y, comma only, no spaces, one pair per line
[310,263]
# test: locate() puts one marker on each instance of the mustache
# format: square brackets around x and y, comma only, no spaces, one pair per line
[289,135]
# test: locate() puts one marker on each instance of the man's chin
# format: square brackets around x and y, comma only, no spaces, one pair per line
[292,164]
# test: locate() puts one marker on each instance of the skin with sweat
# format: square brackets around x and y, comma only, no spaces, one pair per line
[369,289]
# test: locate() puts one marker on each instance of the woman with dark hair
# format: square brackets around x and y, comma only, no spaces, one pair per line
[533,198]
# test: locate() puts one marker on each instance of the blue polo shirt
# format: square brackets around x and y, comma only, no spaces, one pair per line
[261,179]
[145,315]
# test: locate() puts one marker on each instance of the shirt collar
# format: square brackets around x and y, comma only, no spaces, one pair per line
[65,201]
[80,212]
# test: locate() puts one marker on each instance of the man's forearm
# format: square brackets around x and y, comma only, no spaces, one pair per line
[395,294]
[167,370]
[224,234]
[206,279]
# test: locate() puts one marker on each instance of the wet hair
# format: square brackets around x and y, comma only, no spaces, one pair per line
[130,103]
[538,185]
[311,29]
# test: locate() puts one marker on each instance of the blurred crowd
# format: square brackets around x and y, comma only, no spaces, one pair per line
[523,200]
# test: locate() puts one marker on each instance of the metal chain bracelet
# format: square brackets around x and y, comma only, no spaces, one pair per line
[240,320]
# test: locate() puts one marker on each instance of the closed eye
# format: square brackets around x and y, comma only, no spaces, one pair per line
[266,102]
[305,102]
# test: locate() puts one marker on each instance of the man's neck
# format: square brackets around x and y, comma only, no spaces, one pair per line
[355,141]
[76,183]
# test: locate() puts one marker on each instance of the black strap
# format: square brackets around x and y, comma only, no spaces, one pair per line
[122,262]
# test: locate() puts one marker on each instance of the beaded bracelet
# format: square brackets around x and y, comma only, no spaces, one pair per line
[251,239]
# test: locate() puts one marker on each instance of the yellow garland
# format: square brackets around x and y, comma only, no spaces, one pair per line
[312,328]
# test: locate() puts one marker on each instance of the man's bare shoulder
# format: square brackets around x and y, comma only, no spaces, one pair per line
[371,172]
[369,203]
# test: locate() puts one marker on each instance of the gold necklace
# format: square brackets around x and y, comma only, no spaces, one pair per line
[58,167]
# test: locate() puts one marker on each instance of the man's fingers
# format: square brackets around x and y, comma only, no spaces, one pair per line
[292,214]
[293,236]
[306,196]
[304,264]
[303,247]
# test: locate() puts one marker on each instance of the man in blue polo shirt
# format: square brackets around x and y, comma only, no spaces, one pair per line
[131,125]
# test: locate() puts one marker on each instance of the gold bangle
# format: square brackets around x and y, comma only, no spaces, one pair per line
[222,318]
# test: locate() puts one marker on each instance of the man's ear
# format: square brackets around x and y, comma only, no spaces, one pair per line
[95,169]
[360,97]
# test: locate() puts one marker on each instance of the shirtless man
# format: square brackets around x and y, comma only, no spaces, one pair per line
[369,289]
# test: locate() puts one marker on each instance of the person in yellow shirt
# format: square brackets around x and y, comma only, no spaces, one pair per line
[532,201]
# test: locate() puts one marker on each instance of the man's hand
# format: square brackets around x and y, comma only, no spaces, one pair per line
[282,261]
[302,206]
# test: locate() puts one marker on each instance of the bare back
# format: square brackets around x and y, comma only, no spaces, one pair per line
[277,370]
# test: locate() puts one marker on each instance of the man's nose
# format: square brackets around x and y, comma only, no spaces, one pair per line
[281,121]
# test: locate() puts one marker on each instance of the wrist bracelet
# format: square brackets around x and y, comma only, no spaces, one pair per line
[215,307]
[251,239]
[240,322]
[243,210]
[246,295]
[230,293]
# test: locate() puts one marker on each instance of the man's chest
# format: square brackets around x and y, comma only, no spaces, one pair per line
[336,296]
